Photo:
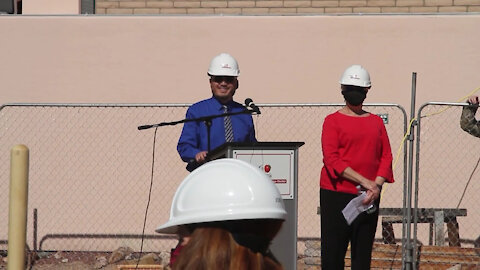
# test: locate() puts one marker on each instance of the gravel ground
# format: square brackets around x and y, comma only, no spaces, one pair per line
[89,261]
[84,261]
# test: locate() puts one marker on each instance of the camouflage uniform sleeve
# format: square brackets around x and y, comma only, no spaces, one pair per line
[468,121]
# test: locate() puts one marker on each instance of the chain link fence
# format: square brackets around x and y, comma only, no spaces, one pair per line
[446,179]
[91,169]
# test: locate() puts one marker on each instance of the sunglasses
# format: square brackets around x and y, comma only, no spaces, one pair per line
[348,88]
[219,79]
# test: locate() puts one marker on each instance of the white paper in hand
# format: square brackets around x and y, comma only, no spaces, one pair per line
[354,208]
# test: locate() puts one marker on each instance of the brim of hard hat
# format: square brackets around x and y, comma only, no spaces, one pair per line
[231,74]
[353,84]
[171,226]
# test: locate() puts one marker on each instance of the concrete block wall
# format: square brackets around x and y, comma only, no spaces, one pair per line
[283,7]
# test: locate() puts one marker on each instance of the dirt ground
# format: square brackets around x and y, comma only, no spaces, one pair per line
[87,261]
[91,261]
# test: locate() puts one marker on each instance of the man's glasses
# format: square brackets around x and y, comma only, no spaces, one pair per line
[219,79]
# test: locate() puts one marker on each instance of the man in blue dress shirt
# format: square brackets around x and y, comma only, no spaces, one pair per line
[193,143]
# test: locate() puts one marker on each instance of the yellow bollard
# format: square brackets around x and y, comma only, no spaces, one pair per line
[17,216]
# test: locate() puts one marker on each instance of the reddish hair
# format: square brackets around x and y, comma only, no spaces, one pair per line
[214,248]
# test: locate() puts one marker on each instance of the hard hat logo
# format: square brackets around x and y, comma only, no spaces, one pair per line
[354,77]
[226,66]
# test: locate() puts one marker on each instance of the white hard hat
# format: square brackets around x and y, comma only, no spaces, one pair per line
[356,75]
[223,65]
[222,190]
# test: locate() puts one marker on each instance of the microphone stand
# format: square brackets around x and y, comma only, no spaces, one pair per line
[206,119]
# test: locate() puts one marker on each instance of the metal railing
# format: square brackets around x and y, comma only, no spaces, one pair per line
[90,168]
[445,178]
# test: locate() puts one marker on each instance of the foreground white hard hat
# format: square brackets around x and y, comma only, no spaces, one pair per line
[222,190]
[356,75]
[223,65]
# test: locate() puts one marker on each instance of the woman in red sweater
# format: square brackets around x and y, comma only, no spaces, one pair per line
[356,155]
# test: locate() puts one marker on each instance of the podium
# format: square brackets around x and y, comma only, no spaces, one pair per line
[279,160]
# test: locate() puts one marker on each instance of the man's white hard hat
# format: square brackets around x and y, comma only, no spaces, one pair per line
[222,190]
[223,65]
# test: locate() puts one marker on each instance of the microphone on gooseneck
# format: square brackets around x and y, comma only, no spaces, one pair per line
[249,103]
[144,127]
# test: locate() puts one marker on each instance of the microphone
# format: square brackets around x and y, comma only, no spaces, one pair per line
[144,127]
[249,103]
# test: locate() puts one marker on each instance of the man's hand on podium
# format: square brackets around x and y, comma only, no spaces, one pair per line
[200,157]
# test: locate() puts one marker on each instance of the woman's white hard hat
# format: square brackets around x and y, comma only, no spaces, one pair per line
[222,190]
[356,75]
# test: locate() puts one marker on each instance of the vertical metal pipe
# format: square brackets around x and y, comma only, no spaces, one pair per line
[405,188]
[417,171]
[35,229]
[409,257]
[17,218]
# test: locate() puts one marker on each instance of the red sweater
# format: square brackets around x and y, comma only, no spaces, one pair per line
[360,143]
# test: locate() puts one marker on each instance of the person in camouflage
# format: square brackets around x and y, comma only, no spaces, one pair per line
[467,120]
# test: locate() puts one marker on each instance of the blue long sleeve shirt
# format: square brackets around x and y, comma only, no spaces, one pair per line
[194,134]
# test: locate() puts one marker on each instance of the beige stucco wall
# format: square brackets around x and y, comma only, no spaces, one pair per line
[283,59]
[153,59]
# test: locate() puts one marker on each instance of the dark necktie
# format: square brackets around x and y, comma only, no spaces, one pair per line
[228,126]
